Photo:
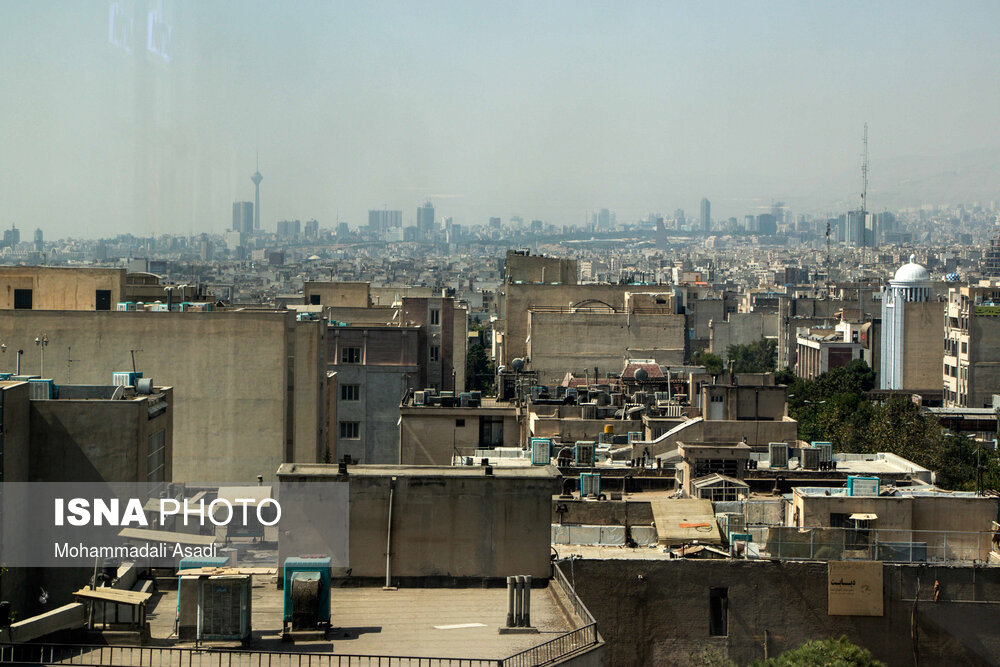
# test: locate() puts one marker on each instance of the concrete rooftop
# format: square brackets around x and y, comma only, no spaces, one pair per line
[405,622]
[330,470]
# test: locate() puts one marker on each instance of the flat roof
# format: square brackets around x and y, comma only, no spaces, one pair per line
[418,622]
[900,493]
[374,470]
[851,464]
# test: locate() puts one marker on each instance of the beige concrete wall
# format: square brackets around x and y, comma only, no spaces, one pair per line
[350,295]
[460,345]
[60,288]
[311,434]
[894,513]
[453,527]
[598,340]
[386,296]
[230,373]
[362,316]
[656,612]
[984,356]
[538,269]
[430,436]
[516,300]
[446,522]
[14,584]
[757,433]
[571,430]
[959,526]
[741,329]
[80,440]
[923,345]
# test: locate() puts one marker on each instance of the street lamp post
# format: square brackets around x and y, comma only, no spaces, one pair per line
[42,342]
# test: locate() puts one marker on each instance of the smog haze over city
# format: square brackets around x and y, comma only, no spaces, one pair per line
[499,334]
[113,123]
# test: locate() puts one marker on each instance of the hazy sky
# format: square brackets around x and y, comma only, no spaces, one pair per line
[540,109]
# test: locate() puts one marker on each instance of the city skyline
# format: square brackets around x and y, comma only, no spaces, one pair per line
[585,107]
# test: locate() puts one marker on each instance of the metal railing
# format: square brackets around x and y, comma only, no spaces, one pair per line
[164,656]
[884,544]
[554,649]
[545,653]
[565,644]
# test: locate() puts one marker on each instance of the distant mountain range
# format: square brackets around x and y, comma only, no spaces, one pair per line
[906,182]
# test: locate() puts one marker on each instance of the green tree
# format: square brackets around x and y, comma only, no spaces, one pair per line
[834,407]
[711,362]
[479,370]
[828,652]
[760,356]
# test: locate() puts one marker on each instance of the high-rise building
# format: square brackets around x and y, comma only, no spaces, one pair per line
[604,219]
[384,220]
[38,239]
[766,224]
[288,229]
[425,218]
[991,261]
[706,215]
[911,325]
[971,346]
[312,229]
[205,248]
[11,237]
[256,178]
[679,220]
[243,217]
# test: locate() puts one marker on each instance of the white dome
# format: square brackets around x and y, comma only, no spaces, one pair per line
[911,273]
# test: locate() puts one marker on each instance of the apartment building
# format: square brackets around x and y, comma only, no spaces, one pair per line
[971,369]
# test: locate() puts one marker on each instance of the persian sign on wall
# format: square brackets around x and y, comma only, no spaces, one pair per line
[854,588]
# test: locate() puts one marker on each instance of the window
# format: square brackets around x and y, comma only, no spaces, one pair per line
[459,423]
[102,299]
[350,355]
[435,316]
[350,430]
[22,299]
[314,300]
[490,432]
[350,392]
[718,612]
[435,352]
[727,467]
[156,457]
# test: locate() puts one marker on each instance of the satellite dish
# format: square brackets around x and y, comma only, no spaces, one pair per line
[517,364]
[641,375]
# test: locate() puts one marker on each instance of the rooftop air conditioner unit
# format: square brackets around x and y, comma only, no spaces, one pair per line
[809,458]
[778,454]
[825,451]
[590,484]
[583,452]
[41,389]
[541,450]
[125,378]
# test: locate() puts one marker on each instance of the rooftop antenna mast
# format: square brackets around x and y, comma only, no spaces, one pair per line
[864,217]
[864,175]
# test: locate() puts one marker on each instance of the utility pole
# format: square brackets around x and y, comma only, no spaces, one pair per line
[69,364]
